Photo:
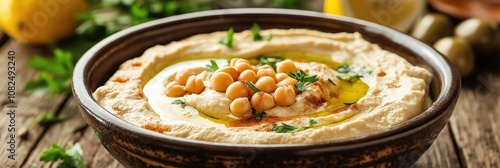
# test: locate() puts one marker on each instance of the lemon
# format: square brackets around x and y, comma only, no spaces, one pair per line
[40,21]
[397,14]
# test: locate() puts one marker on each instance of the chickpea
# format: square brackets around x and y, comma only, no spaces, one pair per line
[173,83]
[240,107]
[175,91]
[236,90]
[242,66]
[248,75]
[288,81]
[255,69]
[262,101]
[195,85]
[284,95]
[285,66]
[267,72]
[266,84]
[266,67]
[182,76]
[281,76]
[220,81]
[229,70]
[234,61]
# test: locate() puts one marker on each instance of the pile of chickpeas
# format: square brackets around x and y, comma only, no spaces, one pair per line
[276,87]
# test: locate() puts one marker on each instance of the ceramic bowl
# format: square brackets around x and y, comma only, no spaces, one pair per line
[133,146]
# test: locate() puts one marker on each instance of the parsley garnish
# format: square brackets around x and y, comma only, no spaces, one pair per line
[49,117]
[269,37]
[330,80]
[285,128]
[349,103]
[255,32]
[303,79]
[55,74]
[271,61]
[251,86]
[212,67]
[177,101]
[353,75]
[72,157]
[258,116]
[228,41]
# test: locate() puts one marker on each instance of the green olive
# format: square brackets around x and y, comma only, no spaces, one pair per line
[432,27]
[459,52]
[480,34]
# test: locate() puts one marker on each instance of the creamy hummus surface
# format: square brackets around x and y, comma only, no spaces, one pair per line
[267,87]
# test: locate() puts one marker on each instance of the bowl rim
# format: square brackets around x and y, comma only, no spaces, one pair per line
[450,87]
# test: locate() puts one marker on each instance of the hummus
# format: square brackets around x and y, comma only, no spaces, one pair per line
[302,86]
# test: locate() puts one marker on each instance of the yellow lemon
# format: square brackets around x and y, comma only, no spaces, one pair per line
[398,14]
[40,21]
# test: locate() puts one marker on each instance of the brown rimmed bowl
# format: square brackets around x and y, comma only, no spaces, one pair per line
[133,146]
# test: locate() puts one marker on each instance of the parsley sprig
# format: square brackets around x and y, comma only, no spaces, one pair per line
[253,87]
[257,115]
[228,41]
[180,102]
[352,75]
[55,74]
[285,128]
[71,158]
[303,79]
[271,61]
[256,33]
[212,67]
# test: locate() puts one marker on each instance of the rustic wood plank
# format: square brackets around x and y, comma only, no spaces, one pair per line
[440,154]
[475,123]
[29,105]
[73,130]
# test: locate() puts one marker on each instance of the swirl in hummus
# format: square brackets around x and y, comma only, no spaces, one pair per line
[300,86]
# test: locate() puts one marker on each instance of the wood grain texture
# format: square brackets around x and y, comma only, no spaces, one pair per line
[29,105]
[476,121]
[440,154]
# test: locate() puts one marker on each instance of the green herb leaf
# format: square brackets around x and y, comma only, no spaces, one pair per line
[330,80]
[255,32]
[251,86]
[271,61]
[349,103]
[256,115]
[177,101]
[72,158]
[55,74]
[269,37]
[303,79]
[285,128]
[212,67]
[49,117]
[353,75]
[311,124]
[228,41]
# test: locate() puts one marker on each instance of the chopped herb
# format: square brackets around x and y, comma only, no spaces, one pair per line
[349,103]
[212,67]
[228,41]
[311,124]
[271,61]
[353,75]
[269,37]
[48,117]
[285,128]
[72,158]
[330,80]
[258,116]
[255,32]
[179,102]
[303,79]
[253,87]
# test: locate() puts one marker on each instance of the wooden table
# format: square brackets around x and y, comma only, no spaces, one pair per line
[471,139]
